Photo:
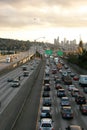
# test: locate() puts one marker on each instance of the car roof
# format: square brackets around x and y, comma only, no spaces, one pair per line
[61,89]
[75,126]
[46,120]
[64,98]
[46,108]
[75,89]
[67,107]
[84,105]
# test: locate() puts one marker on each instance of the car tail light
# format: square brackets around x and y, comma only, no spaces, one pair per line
[84,110]
[64,114]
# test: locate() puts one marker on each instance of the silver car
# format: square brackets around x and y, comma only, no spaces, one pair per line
[46,124]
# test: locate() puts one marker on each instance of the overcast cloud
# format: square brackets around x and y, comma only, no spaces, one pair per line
[54,13]
[33,18]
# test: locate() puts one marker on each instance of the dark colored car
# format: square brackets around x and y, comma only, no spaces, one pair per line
[80,99]
[75,92]
[54,71]
[61,93]
[47,88]
[72,74]
[47,101]
[46,94]
[46,80]
[10,79]
[67,112]
[67,80]
[83,109]
[58,80]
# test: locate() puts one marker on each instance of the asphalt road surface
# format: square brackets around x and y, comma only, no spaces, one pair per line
[28,118]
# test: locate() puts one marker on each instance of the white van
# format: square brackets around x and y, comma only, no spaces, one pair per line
[83,80]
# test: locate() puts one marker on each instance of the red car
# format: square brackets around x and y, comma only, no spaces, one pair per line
[76,78]
[58,86]
[54,71]
[83,109]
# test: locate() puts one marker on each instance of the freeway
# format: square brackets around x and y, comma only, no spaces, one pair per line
[6,91]
[15,57]
[30,116]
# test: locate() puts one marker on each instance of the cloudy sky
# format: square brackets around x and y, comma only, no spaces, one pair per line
[35,19]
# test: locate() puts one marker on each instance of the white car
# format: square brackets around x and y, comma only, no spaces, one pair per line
[45,112]
[64,73]
[46,124]
[71,87]
[15,83]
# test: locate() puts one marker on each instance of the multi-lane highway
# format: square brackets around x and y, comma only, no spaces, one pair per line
[29,117]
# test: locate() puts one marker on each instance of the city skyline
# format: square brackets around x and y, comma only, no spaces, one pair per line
[30,19]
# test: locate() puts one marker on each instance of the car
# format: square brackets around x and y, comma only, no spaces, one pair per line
[45,112]
[60,70]
[71,87]
[15,83]
[72,74]
[58,86]
[75,92]
[46,124]
[46,80]
[47,101]
[67,80]
[65,66]
[74,127]
[58,80]
[10,79]
[64,73]
[65,101]
[55,77]
[26,73]
[85,89]
[61,93]
[24,67]
[76,78]
[54,71]
[67,112]
[68,70]
[46,87]
[46,94]
[80,99]
[83,109]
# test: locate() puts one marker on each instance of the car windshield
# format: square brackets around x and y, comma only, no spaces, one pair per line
[84,107]
[46,125]
[67,110]
[65,100]
[45,111]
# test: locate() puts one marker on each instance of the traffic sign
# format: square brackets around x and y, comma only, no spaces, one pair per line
[60,53]
[48,52]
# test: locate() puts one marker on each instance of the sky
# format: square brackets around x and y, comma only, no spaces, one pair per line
[43,20]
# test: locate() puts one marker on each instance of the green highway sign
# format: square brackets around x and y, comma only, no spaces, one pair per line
[60,53]
[48,52]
